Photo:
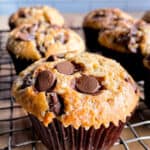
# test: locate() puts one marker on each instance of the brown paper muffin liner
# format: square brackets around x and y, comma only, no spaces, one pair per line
[91,38]
[20,63]
[147,87]
[57,137]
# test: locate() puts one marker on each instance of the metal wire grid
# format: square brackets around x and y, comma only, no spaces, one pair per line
[7,75]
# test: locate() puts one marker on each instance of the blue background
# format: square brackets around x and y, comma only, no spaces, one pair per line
[75,6]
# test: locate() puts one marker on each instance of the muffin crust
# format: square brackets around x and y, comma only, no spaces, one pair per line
[35,41]
[36,14]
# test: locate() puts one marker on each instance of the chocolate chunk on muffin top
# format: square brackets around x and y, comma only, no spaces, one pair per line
[36,14]
[106,18]
[33,41]
[83,89]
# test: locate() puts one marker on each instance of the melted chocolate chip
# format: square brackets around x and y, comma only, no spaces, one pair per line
[87,84]
[55,57]
[28,81]
[96,16]
[55,103]
[44,81]
[41,49]
[32,28]
[24,36]
[78,66]
[22,13]
[65,67]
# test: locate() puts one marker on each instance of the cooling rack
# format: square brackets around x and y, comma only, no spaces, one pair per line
[15,127]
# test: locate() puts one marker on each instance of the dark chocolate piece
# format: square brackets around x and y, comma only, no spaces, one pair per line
[87,84]
[22,13]
[24,36]
[55,57]
[45,81]
[65,67]
[27,81]
[55,103]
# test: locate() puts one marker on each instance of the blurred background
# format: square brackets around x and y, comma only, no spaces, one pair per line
[76,6]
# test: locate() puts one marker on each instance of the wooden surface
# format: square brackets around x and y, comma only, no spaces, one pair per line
[72,20]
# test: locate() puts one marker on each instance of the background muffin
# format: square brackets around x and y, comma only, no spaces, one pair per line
[128,44]
[100,20]
[35,15]
[29,43]
[74,104]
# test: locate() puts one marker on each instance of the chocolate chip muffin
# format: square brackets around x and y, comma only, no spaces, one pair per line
[74,104]
[30,42]
[100,20]
[31,15]
[128,44]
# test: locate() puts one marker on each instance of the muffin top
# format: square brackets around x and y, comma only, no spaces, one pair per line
[34,41]
[107,18]
[75,92]
[146,16]
[35,15]
[127,38]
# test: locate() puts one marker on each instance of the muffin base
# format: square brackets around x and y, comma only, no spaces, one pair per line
[20,63]
[57,137]
[91,38]
[147,87]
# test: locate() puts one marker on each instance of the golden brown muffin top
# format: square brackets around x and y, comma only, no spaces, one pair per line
[85,90]
[127,38]
[106,18]
[34,41]
[34,15]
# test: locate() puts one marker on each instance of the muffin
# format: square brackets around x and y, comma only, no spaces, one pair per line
[128,44]
[146,63]
[74,104]
[146,16]
[30,42]
[32,15]
[100,20]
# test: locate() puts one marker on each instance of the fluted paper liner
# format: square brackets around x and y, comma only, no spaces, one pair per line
[58,137]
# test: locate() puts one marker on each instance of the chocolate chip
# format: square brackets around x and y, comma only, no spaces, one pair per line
[65,67]
[55,103]
[44,81]
[78,66]
[87,84]
[27,81]
[23,13]
[55,57]
[32,28]
[41,49]
[96,16]
[24,36]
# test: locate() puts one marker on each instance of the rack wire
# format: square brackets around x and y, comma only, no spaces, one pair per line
[16,129]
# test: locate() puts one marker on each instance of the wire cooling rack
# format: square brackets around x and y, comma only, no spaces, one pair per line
[16,130]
